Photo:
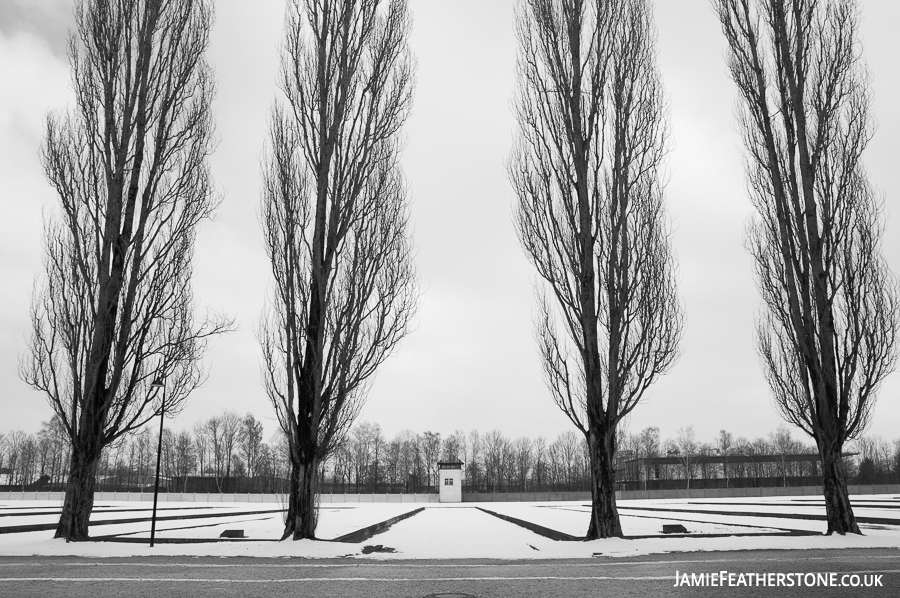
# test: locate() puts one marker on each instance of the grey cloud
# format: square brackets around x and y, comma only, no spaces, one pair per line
[48,19]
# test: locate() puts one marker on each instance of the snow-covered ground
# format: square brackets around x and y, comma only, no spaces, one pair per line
[573,518]
[452,531]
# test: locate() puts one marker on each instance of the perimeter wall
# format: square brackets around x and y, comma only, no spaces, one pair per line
[467,497]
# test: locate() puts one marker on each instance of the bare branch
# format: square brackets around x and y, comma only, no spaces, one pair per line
[129,165]
[334,217]
[827,336]
[590,214]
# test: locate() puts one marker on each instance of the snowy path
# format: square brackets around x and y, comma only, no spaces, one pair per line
[462,532]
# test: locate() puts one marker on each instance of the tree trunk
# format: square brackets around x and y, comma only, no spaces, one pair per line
[302,515]
[838,511]
[604,515]
[79,499]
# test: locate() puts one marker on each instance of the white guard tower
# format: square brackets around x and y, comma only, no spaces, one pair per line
[450,480]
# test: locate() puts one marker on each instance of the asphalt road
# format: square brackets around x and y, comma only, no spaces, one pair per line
[653,575]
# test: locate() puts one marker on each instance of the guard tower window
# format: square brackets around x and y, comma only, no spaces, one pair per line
[448,481]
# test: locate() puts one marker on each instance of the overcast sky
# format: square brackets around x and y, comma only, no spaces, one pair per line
[470,361]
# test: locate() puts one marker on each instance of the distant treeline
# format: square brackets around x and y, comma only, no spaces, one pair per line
[227,453]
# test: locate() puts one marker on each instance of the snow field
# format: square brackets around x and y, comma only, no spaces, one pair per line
[449,531]
[573,519]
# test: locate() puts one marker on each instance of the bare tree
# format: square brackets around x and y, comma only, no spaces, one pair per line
[430,445]
[201,446]
[687,449]
[221,432]
[407,460]
[876,456]
[15,440]
[251,439]
[129,165]
[231,427]
[454,446]
[724,444]
[473,464]
[3,453]
[185,457]
[334,217]
[367,446]
[167,456]
[523,454]
[827,335]
[590,216]
[142,454]
[212,437]
[495,457]
[782,445]
[539,453]
[359,448]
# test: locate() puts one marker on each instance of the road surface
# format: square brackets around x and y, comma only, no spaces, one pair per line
[653,575]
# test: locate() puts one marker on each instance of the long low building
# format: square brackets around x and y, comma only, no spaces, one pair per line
[719,471]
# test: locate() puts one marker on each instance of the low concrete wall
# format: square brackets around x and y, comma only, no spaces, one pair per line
[524,496]
[379,498]
[467,497]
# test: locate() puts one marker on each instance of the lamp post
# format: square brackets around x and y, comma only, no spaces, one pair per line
[157,384]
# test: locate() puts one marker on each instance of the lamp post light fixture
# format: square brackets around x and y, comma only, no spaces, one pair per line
[157,384]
